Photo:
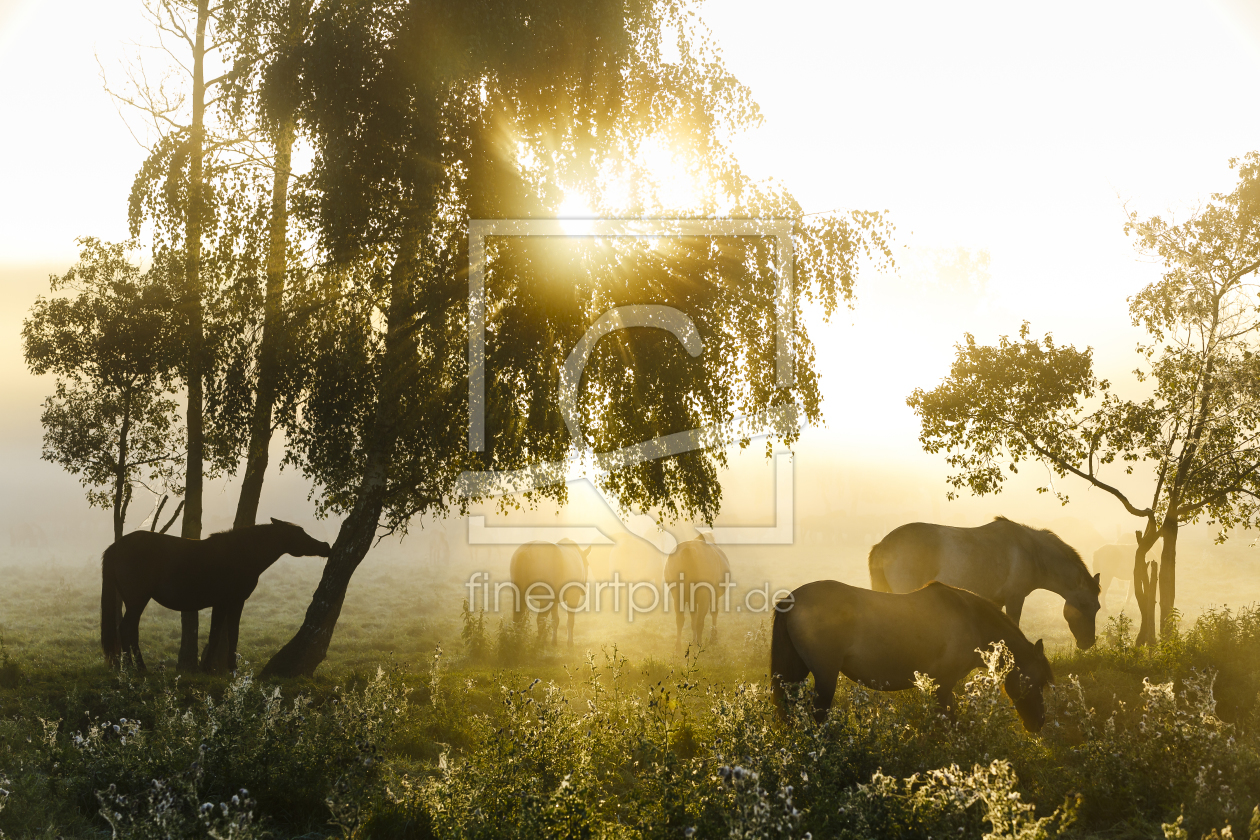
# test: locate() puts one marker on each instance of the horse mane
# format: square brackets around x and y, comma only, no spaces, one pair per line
[1071,554]
[233,535]
[982,605]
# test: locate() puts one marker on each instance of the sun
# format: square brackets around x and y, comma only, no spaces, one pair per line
[657,180]
[575,214]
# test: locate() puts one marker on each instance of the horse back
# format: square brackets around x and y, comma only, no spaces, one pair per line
[981,560]
[907,558]
[544,562]
[149,549]
[694,572]
[1115,561]
[178,573]
[880,638]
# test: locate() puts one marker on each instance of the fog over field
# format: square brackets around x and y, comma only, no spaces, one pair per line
[997,260]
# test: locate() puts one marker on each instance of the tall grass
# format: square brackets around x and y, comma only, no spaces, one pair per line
[506,737]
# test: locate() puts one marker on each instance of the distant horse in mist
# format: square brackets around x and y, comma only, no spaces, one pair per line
[1115,562]
[547,574]
[220,571]
[1002,561]
[880,640]
[694,575]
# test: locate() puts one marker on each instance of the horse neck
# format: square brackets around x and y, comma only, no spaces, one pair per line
[1054,568]
[264,552]
[1005,631]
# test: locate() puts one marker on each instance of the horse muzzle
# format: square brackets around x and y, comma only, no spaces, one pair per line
[322,550]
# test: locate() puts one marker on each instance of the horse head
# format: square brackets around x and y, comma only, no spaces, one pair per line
[1080,609]
[1025,683]
[299,543]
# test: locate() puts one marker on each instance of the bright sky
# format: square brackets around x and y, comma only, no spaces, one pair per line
[1019,130]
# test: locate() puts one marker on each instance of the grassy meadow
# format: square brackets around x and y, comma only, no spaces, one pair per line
[426,721]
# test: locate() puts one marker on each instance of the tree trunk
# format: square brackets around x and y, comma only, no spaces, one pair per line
[193,301]
[269,349]
[1168,579]
[120,475]
[1145,580]
[309,646]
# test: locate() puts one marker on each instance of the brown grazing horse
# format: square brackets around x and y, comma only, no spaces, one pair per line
[880,640]
[695,575]
[1002,561]
[220,571]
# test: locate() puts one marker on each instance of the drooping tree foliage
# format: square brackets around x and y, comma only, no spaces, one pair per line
[267,37]
[425,115]
[1197,437]
[113,344]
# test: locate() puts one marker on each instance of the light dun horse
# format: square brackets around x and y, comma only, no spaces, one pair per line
[1115,562]
[220,571]
[546,574]
[1002,561]
[694,576]
[880,640]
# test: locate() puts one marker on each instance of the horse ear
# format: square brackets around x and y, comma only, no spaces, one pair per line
[1040,647]
[586,555]
[275,521]
[1098,579]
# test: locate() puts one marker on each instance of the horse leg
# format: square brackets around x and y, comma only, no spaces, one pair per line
[680,619]
[1104,583]
[130,632]
[572,615]
[212,657]
[824,693]
[1015,607]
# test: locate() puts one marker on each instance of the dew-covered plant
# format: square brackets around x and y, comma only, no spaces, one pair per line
[172,809]
[949,802]
[755,813]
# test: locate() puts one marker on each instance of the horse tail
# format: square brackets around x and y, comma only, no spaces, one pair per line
[875,562]
[111,608]
[786,665]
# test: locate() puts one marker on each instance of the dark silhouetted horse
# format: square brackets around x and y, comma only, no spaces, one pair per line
[880,640]
[220,572]
[1002,561]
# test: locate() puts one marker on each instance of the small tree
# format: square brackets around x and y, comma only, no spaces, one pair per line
[1199,433]
[113,347]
